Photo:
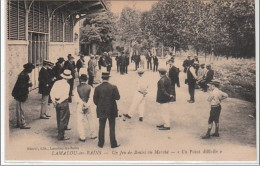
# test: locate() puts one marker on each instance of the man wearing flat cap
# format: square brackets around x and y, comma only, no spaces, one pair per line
[164,96]
[20,93]
[105,97]
[139,97]
[59,95]
[45,84]
[70,65]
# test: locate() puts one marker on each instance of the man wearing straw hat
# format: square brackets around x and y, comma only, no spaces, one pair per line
[105,97]
[20,93]
[59,95]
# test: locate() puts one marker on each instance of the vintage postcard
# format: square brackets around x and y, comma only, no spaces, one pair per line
[101,82]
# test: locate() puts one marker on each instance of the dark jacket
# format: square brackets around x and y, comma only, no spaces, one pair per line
[209,75]
[105,97]
[174,75]
[186,64]
[71,67]
[108,61]
[21,88]
[45,81]
[79,64]
[57,70]
[164,90]
[190,78]
[155,60]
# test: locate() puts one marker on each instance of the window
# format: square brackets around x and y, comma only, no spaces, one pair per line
[57,27]
[16,20]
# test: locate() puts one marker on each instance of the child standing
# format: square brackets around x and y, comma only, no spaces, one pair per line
[215,98]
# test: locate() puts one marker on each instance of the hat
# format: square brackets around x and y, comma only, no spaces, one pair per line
[70,56]
[60,59]
[105,75]
[28,66]
[140,71]
[202,65]
[46,62]
[208,65]
[92,56]
[51,63]
[214,82]
[162,69]
[83,77]
[171,60]
[66,74]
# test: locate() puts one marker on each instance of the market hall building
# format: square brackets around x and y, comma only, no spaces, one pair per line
[40,30]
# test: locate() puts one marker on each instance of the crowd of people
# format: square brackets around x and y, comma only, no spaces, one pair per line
[56,85]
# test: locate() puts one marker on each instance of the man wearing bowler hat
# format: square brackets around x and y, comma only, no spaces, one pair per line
[20,93]
[164,96]
[105,97]
[59,95]
[45,84]
[70,65]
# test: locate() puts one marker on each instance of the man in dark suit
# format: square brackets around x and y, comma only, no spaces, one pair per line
[126,62]
[118,63]
[149,61]
[123,63]
[206,78]
[174,76]
[70,65]
[191,81]
[80,62]
[105,97]
[58,68]
[45,83]
[186,63]
[164,96]
[20,93]
[155,63]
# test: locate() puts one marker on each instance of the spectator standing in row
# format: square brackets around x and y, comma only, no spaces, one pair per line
[45,83]
[105,97]
[70,65]
[91,69]
[118,63]
[58,68]
[155,63]
[174,77]
[149,61]
[80,62]
[186,63]
[123,62]
[20,93]
[83,110]
[60,95]
[191,81]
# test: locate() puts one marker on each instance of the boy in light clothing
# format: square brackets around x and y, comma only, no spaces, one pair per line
[215,98]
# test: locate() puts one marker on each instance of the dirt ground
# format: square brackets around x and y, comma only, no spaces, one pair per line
[141,140]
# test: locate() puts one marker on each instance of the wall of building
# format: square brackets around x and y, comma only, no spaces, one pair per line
[16,57]
[57,50]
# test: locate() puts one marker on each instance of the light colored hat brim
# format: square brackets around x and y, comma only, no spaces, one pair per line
[66,77]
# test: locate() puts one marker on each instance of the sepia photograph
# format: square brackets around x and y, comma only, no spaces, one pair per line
[130,82]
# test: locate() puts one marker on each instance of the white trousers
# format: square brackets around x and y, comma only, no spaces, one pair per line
[165,114]
[83,121]
[138,101]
